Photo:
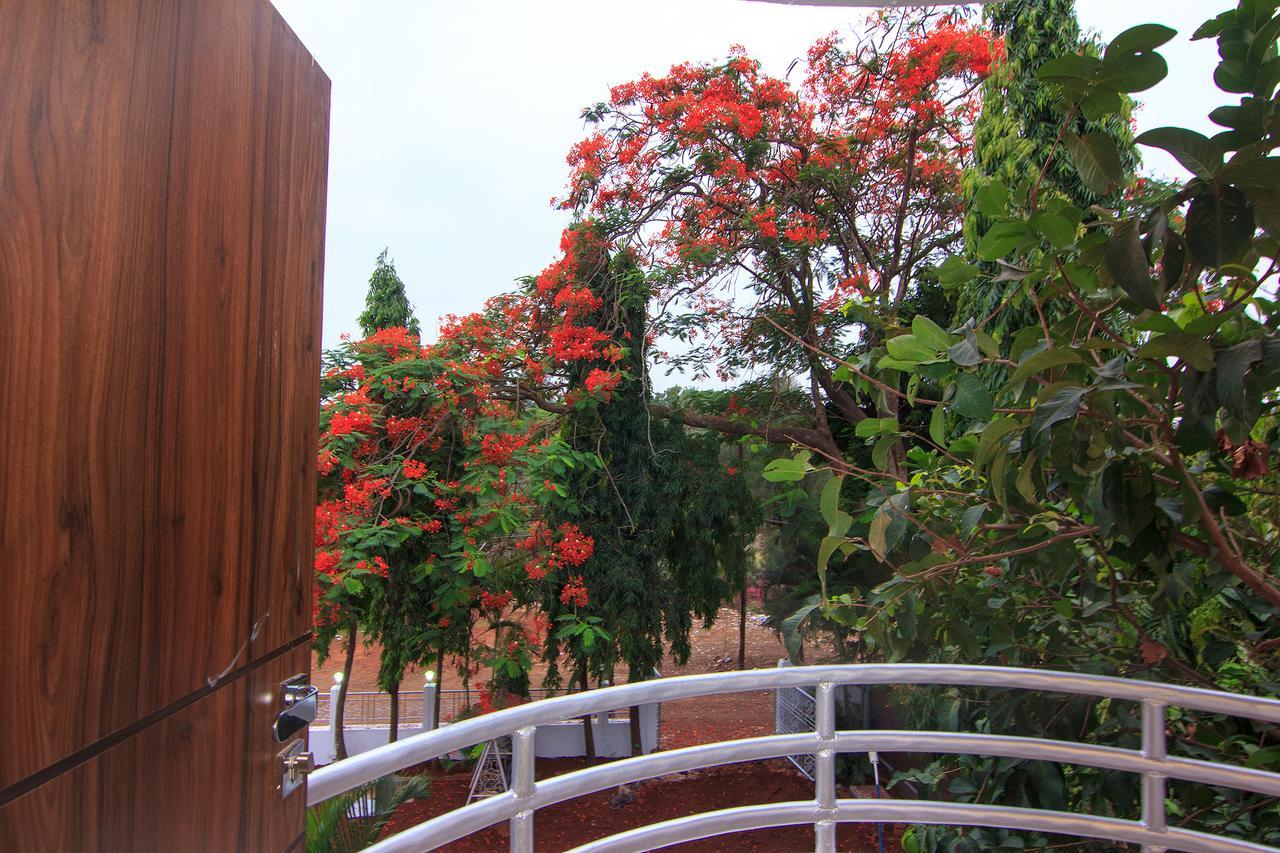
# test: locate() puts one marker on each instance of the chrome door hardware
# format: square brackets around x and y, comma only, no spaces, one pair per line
[299,707]
[295,764]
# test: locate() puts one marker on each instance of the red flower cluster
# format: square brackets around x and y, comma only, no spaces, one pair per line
[574,592]
[345,423]
[574,547]
[568,545]
[395,340]
[496,601]
[603,382]
[497,449]
[400,428]
[413,469]
[576,343]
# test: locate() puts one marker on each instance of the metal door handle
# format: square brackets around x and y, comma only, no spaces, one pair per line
[299,708]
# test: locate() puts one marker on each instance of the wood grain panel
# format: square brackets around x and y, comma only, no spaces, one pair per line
[174,786]
[162,182]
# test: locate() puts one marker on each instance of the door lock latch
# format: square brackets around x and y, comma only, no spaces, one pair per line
[295,764]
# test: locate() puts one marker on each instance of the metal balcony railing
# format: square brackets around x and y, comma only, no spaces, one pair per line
[824,811]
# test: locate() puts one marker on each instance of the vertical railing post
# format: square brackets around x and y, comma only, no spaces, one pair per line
[429,688]
[335,696]
[1154,746]
[522,785]
[824,769]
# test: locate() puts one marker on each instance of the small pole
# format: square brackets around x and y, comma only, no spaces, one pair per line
[1154,745]
[429,689]
[522,785]
[335,699]
[824,770]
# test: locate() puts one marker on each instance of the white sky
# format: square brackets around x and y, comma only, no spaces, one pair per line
[451,120]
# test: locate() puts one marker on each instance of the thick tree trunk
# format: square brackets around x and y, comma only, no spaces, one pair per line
[394,692]
[588,736]
[339,713]
[742,624]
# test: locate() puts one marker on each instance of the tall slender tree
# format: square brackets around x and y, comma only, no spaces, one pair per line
[1017,133]
[669,522]
[386,305]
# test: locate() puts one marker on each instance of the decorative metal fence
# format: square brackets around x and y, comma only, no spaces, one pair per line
[1152,763]
[795,710]
[373,708]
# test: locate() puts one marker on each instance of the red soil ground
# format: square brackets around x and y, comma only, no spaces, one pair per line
[684,723]
[569,824]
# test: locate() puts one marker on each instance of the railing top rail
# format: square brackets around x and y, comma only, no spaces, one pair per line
[458,823]
[344,775]
[708,824]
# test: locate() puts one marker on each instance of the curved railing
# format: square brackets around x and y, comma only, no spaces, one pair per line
[825,810]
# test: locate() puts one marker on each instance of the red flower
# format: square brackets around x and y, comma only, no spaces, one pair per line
[603,382]
[413,469]
[345,423]
[574,547]
[574,592]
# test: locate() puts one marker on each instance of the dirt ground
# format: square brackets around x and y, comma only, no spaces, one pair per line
[569,824]
[684,723]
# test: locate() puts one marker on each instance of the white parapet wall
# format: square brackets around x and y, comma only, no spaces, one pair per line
[555,740]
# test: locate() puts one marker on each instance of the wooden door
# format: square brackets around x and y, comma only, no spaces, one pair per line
[162,200]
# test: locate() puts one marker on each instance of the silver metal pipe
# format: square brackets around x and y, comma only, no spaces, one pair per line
[446,828]
[450,825]
[913,811]
[341,776]
[523,787]
[519,804]
[824,768]
[1061,752]
[1154,747]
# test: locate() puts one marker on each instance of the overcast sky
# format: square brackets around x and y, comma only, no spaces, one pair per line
[451,121]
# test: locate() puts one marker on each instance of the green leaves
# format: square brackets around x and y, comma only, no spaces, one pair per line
[1195,351]
[838,522]
[938,426]
[1140,39]
[926,343]
[792,629]
[1130,64]
[973,398]
[930,334]
[1220,225]
[1002,238]
[991,436]
[1195,151]
[1127,262]
[955,272]
[1061,405]
[787,470]
[992,199]
[1133,71]
[1041,361]
[966,352]
[909,348]
[1096,160]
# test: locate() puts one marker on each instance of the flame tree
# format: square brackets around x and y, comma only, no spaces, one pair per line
[428,485]
[759,209]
